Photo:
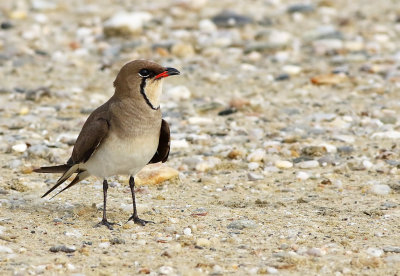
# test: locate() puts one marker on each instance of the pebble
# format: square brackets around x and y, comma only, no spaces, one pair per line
[386,135]
[301,8]
[208,164]
[179,93]
[116,240]
[104,245]
[63,248]
[345,149]
[241,224]
[380,189]
[124,24]
[5,249]
[255,176]
[329,78]
[303,176]
[155,174]
[206,25]
[271,270]
[393,259]
[374,252]
[200,121]
[282,164]
[308,164]
[253,166]
[392,249]
[73,233]
[182,50]
[165,270]
[39,151]
[230,19]
[187,231]
[22,147]
[291,69]
[317,252]
[314,151]
[203,242]
[256,156]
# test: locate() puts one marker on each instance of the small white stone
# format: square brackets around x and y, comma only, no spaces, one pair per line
[166,270]
[255,176]
[345,138]
[329,148]
[141,242]
[20,147]
[308,164]
[104,244]
[207,26]
[179,144]
[179,93]
[174,220]
[283,164]
[317,252]
[380,189]
[70,267]
[302,176]
[207,164]
[374,252]
[73,233]
[200,121]
[271,270]
[367,164]
[386,135]
[291,69]
[187,231]
[132,22]
[217,270]
[256,156]
[253,166]
[5,249]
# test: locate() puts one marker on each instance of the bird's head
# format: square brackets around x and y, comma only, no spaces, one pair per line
[145,78]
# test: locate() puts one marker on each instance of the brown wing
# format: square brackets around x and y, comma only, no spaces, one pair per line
[92,133]
[162,152]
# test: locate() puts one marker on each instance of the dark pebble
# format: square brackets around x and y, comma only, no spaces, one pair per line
[6,25]
[345,149]
[36,94]
[302,158]
[231,19]
[282,77]
[392,249]
[227,111]
[117,241]
[41,53]
[62,248]
[395,163]
[302,8]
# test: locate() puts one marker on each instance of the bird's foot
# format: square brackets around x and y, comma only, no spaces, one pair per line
[137,220]
[105,223]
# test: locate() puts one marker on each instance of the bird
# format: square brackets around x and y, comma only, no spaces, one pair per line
[121,136]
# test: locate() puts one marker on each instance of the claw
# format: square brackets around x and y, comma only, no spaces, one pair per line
[105,223]
[139,221]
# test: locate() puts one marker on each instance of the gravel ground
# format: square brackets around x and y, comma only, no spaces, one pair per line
[284,124]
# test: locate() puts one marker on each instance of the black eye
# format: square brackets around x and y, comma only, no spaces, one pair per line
[144,73]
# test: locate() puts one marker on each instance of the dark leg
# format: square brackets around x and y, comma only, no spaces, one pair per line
[135,217]
[104,220]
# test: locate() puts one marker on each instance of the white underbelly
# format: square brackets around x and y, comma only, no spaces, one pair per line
[121,156]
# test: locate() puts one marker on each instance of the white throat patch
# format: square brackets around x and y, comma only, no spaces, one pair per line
[153,90]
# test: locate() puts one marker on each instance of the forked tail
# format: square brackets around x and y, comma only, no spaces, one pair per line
[67,171]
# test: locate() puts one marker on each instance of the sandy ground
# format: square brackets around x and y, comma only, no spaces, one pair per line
[294,177]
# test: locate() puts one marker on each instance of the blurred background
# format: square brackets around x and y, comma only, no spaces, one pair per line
[285,118]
